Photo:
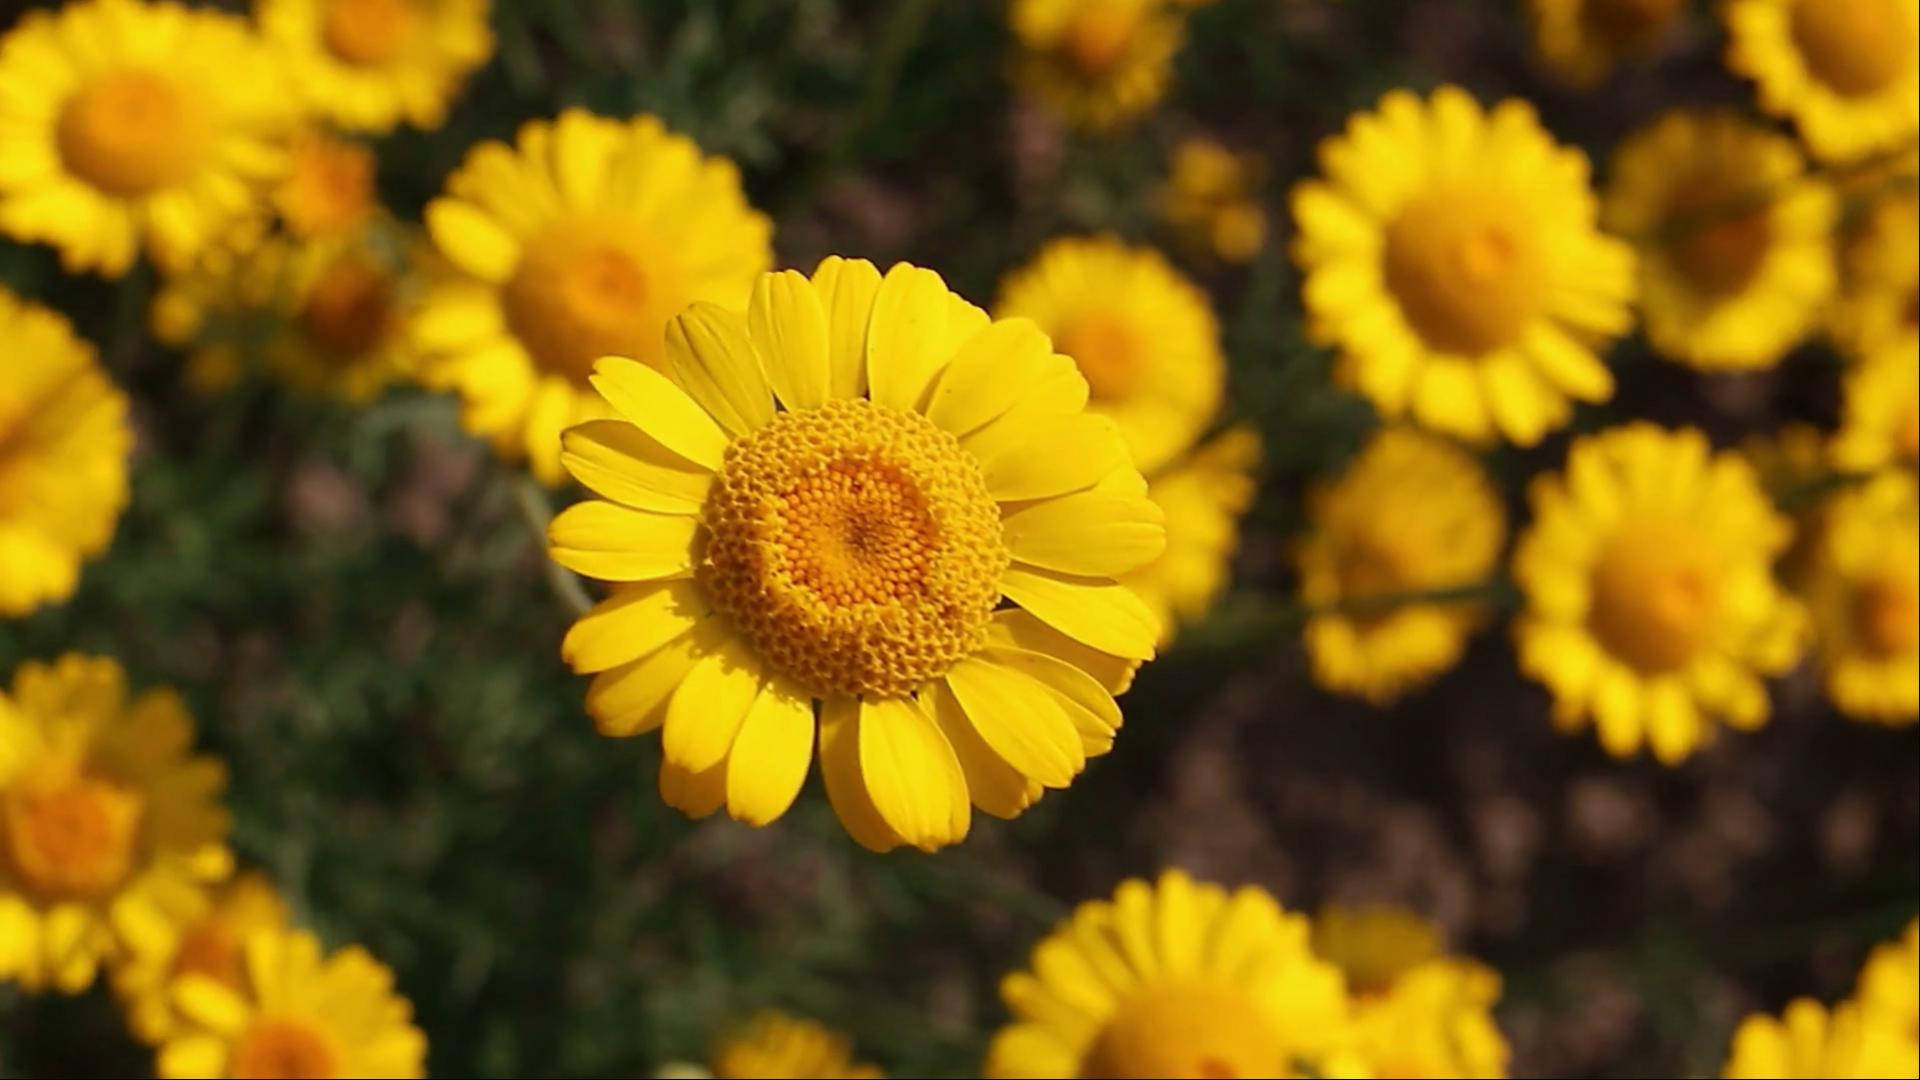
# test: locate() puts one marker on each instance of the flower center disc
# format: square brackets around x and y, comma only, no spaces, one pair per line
[1106,351]
[349,307]
[1718,252]
[1467,281]
[578,296]
[365,32]
[329,190]
[1655,595]
[1855,47]
[1906,435]
[1627,24]
[856,546]
[274,1046]
[132,133]
[210,949]
[71,839]
[1886,613]
[1099,37]
[1187,1030]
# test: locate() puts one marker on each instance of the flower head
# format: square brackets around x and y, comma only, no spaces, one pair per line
[1212,199]
[1846,71]
[1582,41]
[1863,588]
[1809,1041]
[205,935]
[1880,418]
[105,819]
[1413,514]
[370,64]
[1736,262]
[125,122]
[1652,611]
[774,1044]
[1452,255]
[1879,304]
[1097,63]
[579,242]
[328,189]
[865,498]
[1203,495]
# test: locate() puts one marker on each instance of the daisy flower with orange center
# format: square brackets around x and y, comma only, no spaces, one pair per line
[328,189]
[1847,72]
[206,936]
[774,1044]
[1453,256]
[1582,41]
[369,65]
[1863,587]
[1212,200]
[1099,64]
[866,512]
[1880,412]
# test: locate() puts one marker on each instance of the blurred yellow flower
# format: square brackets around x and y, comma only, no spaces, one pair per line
[125,123]
[775,1046]
[1864,591]
[63,457]
[1202,496]
[1889,987]
[1097,63]
[1736,240]
[368,65]
[206,936]
[854,548]
[1453,257]
[106,820]
[1880,417]
[1652,611]
[1143,335]
[1879,304]
[1582,41]
[1808,1041]
[1418,1012]
[328,190]
[1212,200]
[292,1012]
[1846,71]
[1181,978]
[1412,514]
[577,243]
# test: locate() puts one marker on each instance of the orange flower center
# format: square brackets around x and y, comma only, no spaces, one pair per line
[280,1046]
[367,32]
[1655,596]
[1187,1030]
[330,189]
[349,308]
[1906,434]
[1886,613]
[1107,350]
[133,133]
[1628,25]
[856,546]
[73,837]
[581,293]
[1098,37]
[210,949]
[1466,275]
[1719,252]
[1855,47]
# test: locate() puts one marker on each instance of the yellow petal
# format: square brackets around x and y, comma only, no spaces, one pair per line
[770,756]
[907,336]
[661,409]
[706,711]
[191,1057]
[608,541]
[632,699]
[840,769]
[631,623]
[995,370]
[846,288]
[716,364]
[1019,719]
[789,330]
[1068,453]
[1093,711]
[618,461]
[1091,532]
[996,787]
[1021,630]
[210,1003]
[1101,614]
[696,794]
[912,775]
[472,240]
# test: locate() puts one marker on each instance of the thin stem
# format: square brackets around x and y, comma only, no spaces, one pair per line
[531,499]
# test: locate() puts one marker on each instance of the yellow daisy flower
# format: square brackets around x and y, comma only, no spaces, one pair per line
[1418,1012]
[125,123]
[206,936]
[1736,260]
[853,547]
[63,457]
[1879,303]
[1582,41]
[1651,606]
[1864,592]
[1412,514]
[1846,71]
[1181,978]
[293,1012]
[367,65]
[1202,496]
[328,190]
[105,819]
[1808,1041]
[775,1045]
[1452,256]
[1097,63]
[1212,200]
[1143,335]
[1880,418]
[579,242]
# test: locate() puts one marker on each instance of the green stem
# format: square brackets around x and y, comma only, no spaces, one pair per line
[531,499]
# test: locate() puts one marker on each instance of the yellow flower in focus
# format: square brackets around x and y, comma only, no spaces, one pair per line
[293,1012]
[579,242]
[1143,335]
[1582,41]
[1097,63]
[1412,514]
[206,936]
[1176,979]
[1880,417]
[1212,199]
[1889,988]
[369,64]
[1419,1013]
[921,539]
[1864,591]
[328,190]
[775,1046]
[1879,304]
[1736,263]
[1808,1041]
[63,457]
[1652,611]
[1202,496]
[1452,255]
[1846,71]
[125,123]
[106,820]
